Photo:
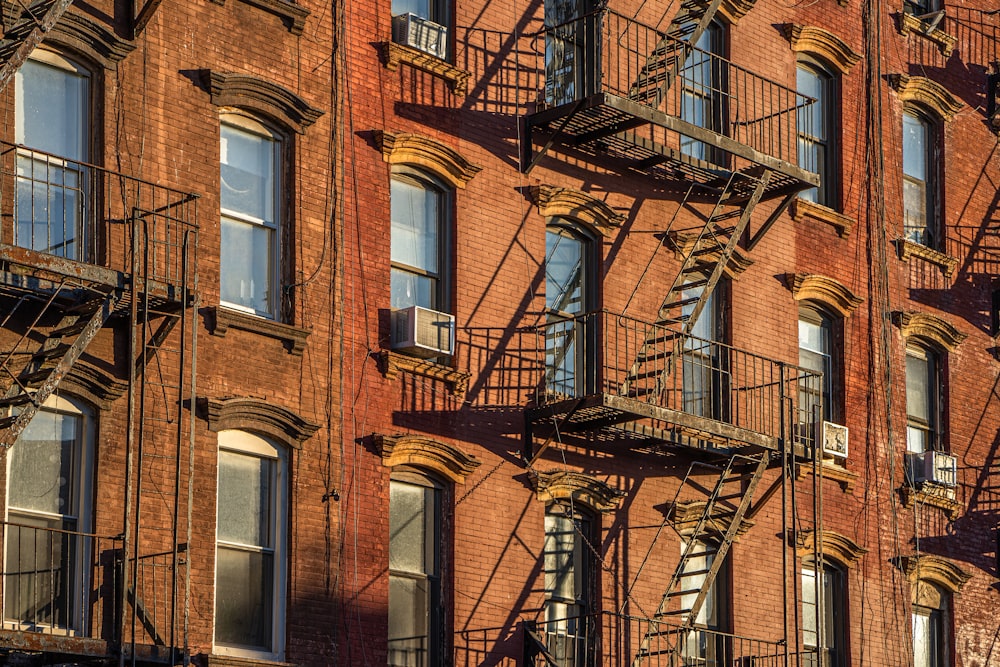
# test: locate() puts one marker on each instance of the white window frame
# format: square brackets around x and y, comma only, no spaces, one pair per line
[252,126]
[250,444]
[932,429]
[932,229]
[824,111]
[83,495]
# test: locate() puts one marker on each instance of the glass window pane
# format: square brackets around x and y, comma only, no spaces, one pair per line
[246,269]
[51,110]
[407,527]
[918,393]
[415,214]
[245,499]
[248,173]
[42,464]
[421,8]
[411,289]
[564,271]
[244,586]
[914,147]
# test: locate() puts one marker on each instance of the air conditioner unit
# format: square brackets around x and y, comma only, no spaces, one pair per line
[834,439]
[423,332]
[939,468]
[421,34]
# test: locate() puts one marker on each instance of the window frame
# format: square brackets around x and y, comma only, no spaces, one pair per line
[911,7]
[931,233]
[586,572]
[713,364]
[830,327]
[938,624]
[709,649]
[247,443]
[934,390]
[254,125]
[713,95]
[438,546]
[439,12]
[828,192]
[83,495]
[835,609]
[442,292]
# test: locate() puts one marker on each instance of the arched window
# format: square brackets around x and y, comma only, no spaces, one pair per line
[416,565]
[817,127]
[251,546]
[930,621]
[570,585]
[250,198]
[824,614]
[421,209]
[52,122]
[921,222]
[49,503]
[569,296]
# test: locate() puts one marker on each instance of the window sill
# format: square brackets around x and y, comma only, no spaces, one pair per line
[222,319]
[908,249]
[393,362]
[393,54]
[832,471]
[803,209]
[935,495]
[291,14]
[909,23]
[216,660]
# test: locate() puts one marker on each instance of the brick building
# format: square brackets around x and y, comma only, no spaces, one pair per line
[427,332]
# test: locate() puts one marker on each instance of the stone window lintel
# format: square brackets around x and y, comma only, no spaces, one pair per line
[908,249]
[911,24]
[293,338]
[803,209]
[291,14]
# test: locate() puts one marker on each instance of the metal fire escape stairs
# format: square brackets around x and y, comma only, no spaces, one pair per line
[25,26]
[727,503]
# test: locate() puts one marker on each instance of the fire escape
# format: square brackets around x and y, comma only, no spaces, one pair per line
[85,250]
[661,104]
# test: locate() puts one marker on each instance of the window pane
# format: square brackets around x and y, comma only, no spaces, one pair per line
[407,528]
[416,211]
[921,641]
[248,173]
[51,110]
[560,544]
[918,393]
[245,272]
[40,581]
[409,605]
[421,8]
[914,147]
[244,586]
[42,464]
[564,255]
[411,289]
[245,499]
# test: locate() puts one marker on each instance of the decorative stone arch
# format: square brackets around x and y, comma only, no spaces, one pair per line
[576,486]
[556,202]
[76,32]
[834,546]
[258,95]
[446,460]
[822,44]
[926,94]
[685,517]
[930,328]
[257,416]
[93,384]
[417,150]
[826,291]
[733,10]
[922,569]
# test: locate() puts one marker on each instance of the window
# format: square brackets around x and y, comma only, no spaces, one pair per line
[419,239]
[923,405]
[49,495]
[250,199]
[929,625]
[816,128]
[569,586]
[920,7]
[250,548]
[815,354]
[703,645]
[704,375]
[427,38]
[920,223]
[703,91]
[570,51]
[568,296]
[416,607]
[824,622]
[52,121]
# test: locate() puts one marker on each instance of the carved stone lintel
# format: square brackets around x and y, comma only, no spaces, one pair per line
[927,93]
[290,13]
[392,363]
[554,201]
[933,568]
[739,262]
[685,517]
[809,39]
[802,209]
[934,495]
[393,54]
[909,23]
[420,151]
[839,547]
[222,319]
[259,415]
[92,39]
[443,458]
[908,249]
[247,91]
[93,384]
[830,292]
[929,327]
[832,471]
[568,484]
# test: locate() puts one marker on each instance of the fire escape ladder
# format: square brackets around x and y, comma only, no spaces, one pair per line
[729,502]
[32,383]
[671,52]
[993,97]
[713,245]
[25,31]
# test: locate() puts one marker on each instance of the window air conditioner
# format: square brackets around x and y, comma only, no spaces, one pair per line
[423,332]
[939,468]
[421,34]
[835,440]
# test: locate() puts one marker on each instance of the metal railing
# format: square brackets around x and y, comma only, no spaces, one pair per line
[85,213]
[607,52]
[620,640]
[603,352]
